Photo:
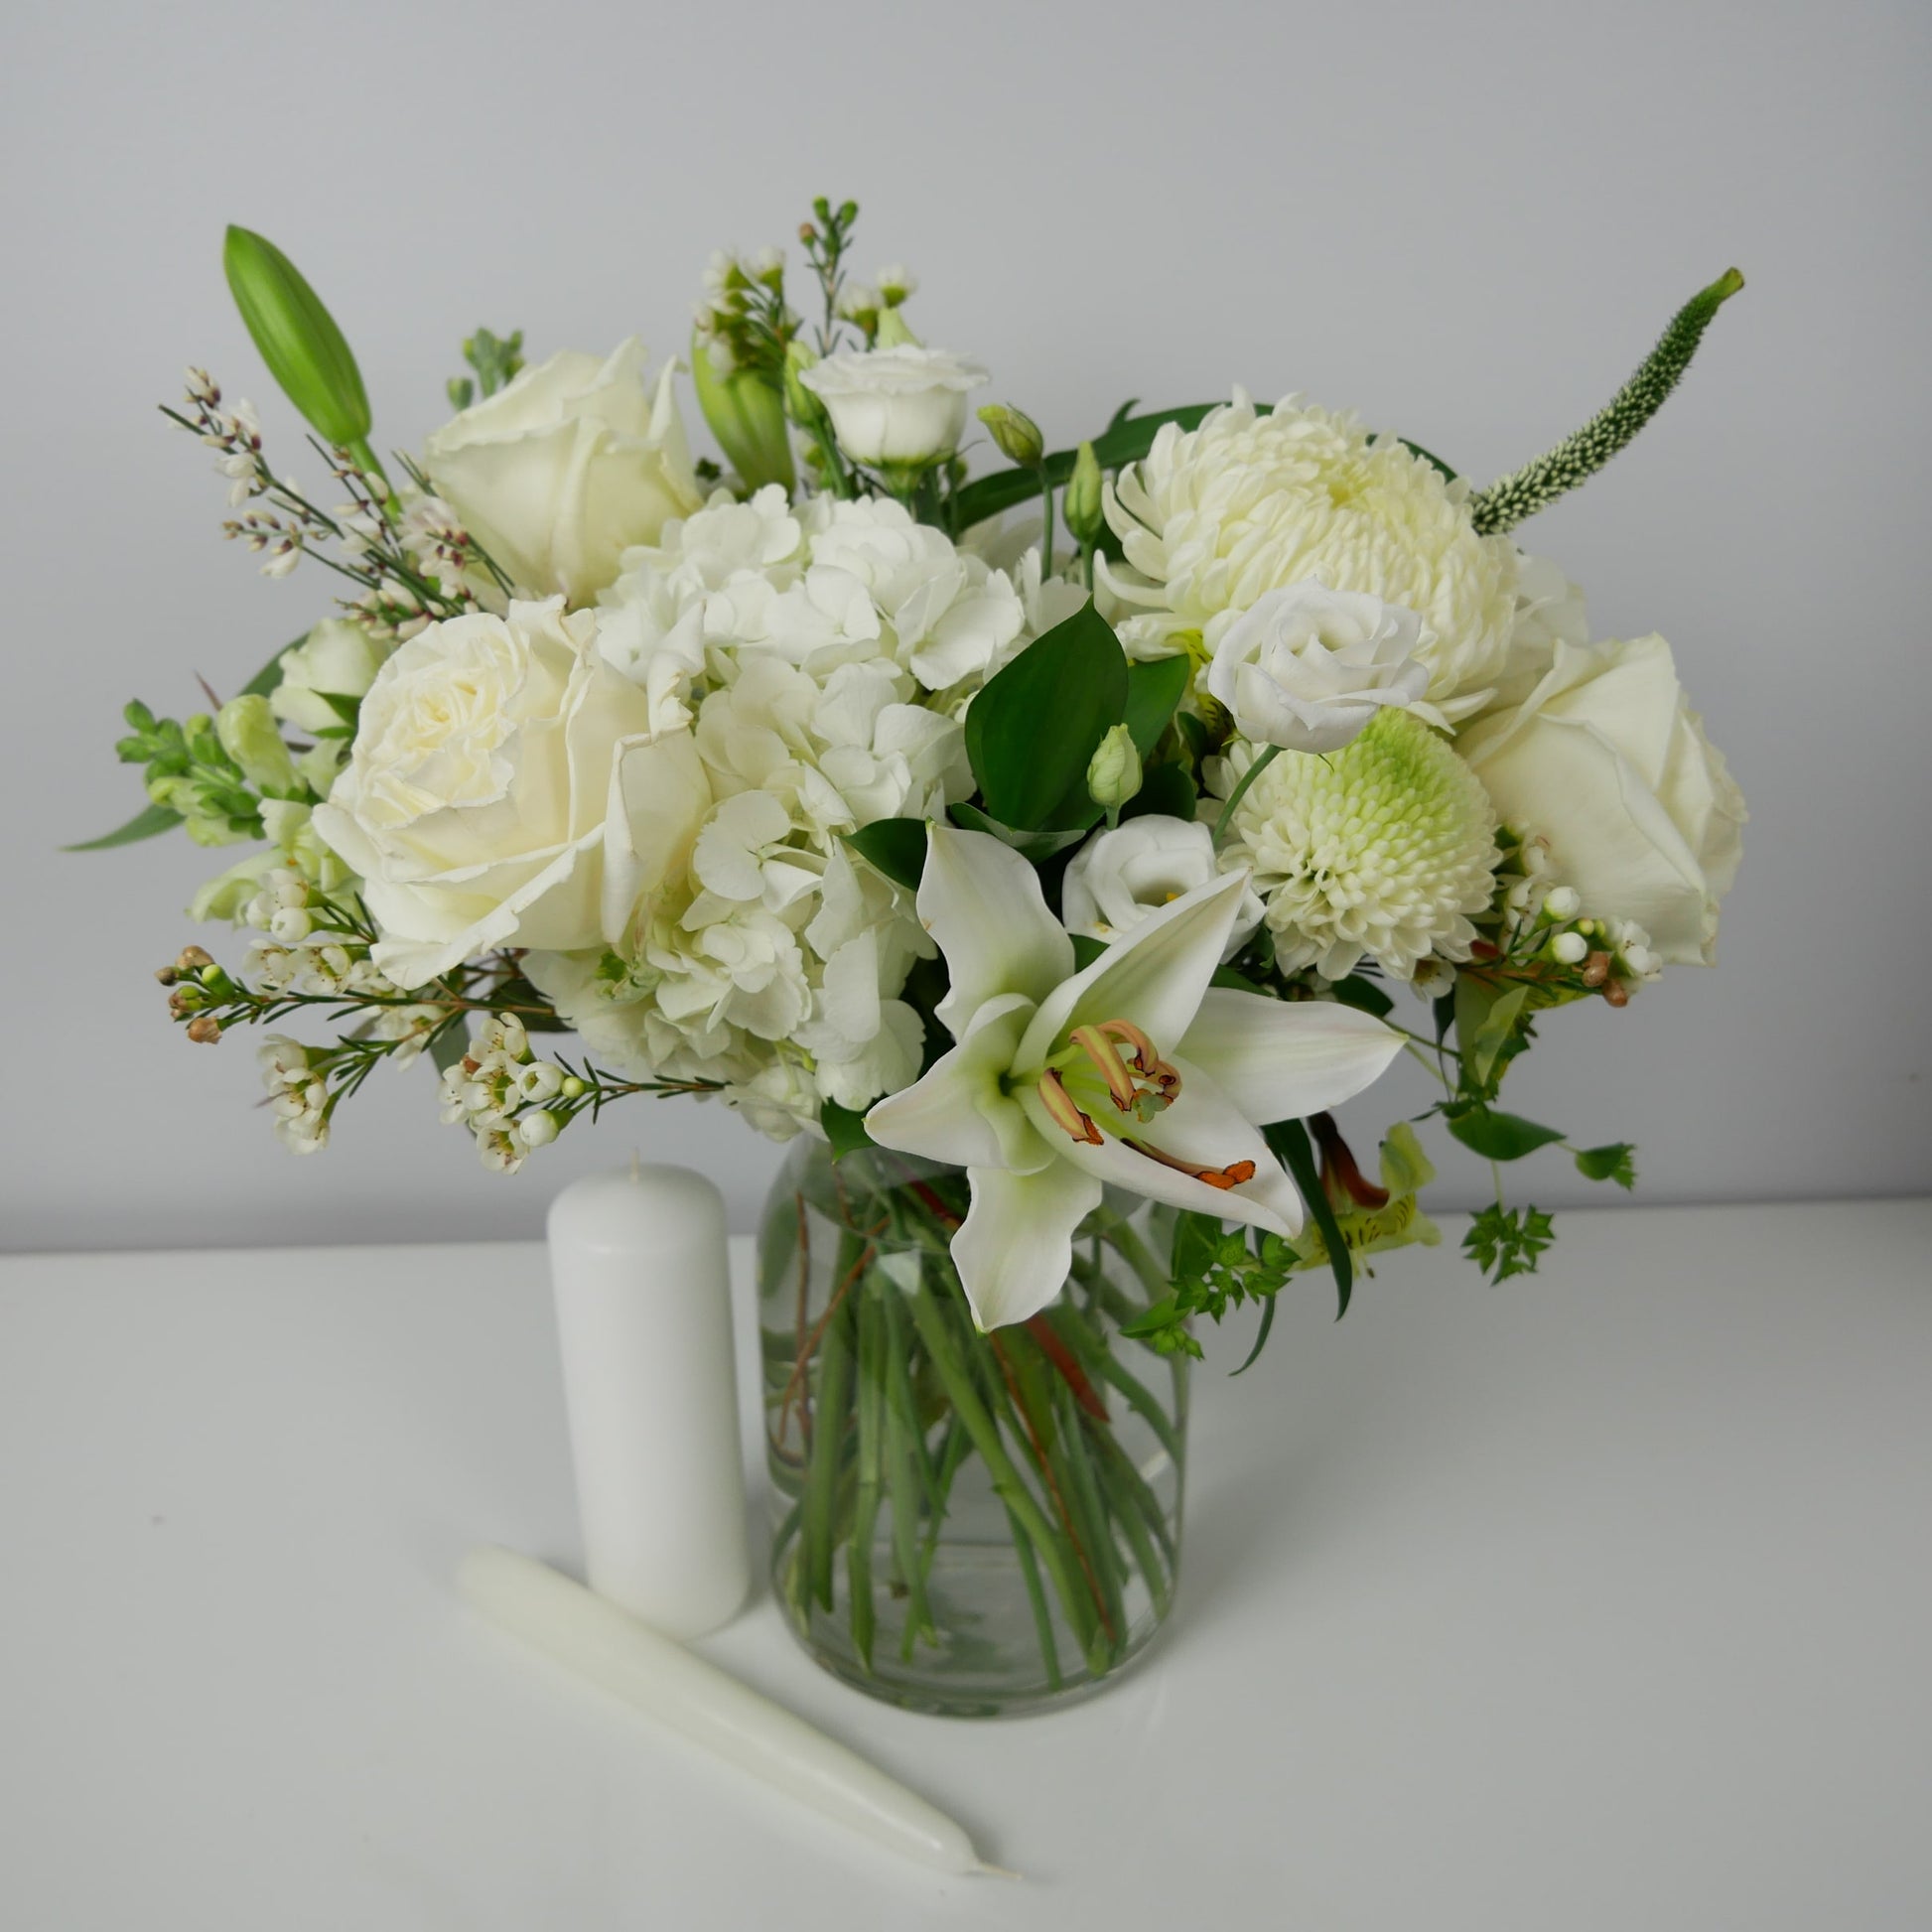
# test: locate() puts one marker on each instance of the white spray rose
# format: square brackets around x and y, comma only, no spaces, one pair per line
[899,406]
[1607,762]
[481,801]
[1120,879]
[565,468]
[1306,667]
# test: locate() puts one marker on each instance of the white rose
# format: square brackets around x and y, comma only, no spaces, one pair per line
[897,406]
[561,472]
[1606,760]
[481,799]
[1306,667]
[1120,878]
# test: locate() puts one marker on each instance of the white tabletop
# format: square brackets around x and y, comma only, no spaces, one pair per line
[1596,1600]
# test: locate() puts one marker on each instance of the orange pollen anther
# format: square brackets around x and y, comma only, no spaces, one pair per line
[1059,1103]
[1221,1177]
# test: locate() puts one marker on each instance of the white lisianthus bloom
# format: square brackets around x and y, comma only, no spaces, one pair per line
[1212,518]
[1120,879]
[1605,761]
[1132,1074]
[565,468]
[1306,667]
[899,408]
[337,659]
[479,789]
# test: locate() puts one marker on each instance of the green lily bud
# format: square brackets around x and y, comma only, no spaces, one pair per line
[892,331]
[1016,434]
[802,405]
[298,339]
[746,415]
[249,735]
[1080,503]
[1114,771]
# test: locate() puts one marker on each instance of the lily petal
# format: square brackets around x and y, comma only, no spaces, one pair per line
[1154,978]
[1278,1059]
[1204,1128]
[957,1112]
[1015,1249]
[982,903]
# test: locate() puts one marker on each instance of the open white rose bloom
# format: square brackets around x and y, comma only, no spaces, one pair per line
[1049,883]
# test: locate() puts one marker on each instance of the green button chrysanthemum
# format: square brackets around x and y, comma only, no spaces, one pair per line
[1383,849]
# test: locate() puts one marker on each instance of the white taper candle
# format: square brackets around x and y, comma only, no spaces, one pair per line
[707,1706]
[638,1265]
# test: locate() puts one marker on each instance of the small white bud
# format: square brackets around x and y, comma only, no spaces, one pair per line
[291,924]
[537,1130]
[1570,948]
[1563,904]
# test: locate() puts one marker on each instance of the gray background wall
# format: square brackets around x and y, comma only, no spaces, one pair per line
[1467,223]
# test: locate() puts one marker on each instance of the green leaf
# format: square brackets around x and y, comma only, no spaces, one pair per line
[1154,689]
[1032,731]
[844,1129]
[1486,1020]
[263,683]
[1261,1336]
[1165,790]
[1505,1241]
[1086,949]
[1363,995]
[1497,1136]
[306,352]
[894,846]
[1038,847]
[145,824]
[1617,1162]
[1289,1140]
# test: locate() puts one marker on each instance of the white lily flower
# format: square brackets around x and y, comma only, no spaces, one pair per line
[1132,1071]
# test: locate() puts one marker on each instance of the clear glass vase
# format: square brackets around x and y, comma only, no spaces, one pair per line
[963,1523]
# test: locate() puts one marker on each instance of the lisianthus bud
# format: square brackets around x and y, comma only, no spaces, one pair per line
[1016,434]
[1080,501]
[893,332]
[298,337]
[802,405]
[747,414]
[248,733]
[1114,771]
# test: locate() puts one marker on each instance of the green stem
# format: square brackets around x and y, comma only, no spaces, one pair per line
[870,1455]
[1046,533]
[1050,1654]
[829,1408]
[1074,1467]
[931,1321]
[1127,1508]
[1269,754]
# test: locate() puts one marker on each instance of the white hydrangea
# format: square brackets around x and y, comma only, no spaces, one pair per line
[807,668]
[1214,518]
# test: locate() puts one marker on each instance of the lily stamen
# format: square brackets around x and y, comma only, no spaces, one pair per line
[1093,1042]
[1141,1088]
[1222,1177]
[1060,1104]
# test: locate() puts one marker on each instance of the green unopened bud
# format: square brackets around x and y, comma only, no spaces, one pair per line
[249,735]
[1114,771]
[746,415]
[1016,434]
[1080,501]
[298,339]
[802,405]
[892,331]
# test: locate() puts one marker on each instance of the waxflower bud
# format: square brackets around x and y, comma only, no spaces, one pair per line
[747,414]
[205,1031]
[249,735]
[192,959]
[1016,434]
[1114,771]
[1080,501]
[298,337]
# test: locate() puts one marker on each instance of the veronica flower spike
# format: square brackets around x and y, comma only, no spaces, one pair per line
[1134,1073]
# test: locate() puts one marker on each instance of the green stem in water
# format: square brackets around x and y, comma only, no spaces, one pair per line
[829,1410]
[870,1455]
[1050,1655]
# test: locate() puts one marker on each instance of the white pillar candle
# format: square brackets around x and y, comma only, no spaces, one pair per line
[708,1707]
[642,1287]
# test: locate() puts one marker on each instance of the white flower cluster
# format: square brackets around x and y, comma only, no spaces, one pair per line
[501,1091]
[804,671]
[298,1094]
[1543,917]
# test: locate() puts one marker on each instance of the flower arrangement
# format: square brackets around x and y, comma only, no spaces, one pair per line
[1038,843]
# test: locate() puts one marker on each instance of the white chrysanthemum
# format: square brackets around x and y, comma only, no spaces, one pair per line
[1212,518]
[1382,849]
